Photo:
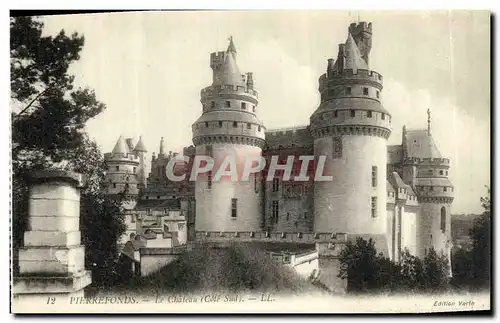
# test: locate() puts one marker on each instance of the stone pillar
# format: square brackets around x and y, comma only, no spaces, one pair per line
[51,263]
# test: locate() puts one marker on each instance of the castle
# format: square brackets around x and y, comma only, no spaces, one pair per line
[398,195]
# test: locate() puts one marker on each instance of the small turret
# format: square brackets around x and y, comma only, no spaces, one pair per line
[250,80]
[130,144]
[120,147]
[140,147]
[162,148]
[228,72]
[362,35]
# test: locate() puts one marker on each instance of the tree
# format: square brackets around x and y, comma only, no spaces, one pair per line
[48,131]
[480,234]
[436,272]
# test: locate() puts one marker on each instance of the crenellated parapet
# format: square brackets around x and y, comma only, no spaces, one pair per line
[444,162]
[350,76]
[299,237]
[355,129]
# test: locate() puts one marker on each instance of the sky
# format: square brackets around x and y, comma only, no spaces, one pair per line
[149,68]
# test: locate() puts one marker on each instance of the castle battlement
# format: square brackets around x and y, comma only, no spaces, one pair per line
[246,236]
[285,131]
[335,77]
[360,27]
[218,90]
[216,59]
[119,157]
[427,161]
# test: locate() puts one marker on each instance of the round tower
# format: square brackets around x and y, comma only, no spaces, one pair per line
[350,128]
[228,126]
[122,172]
[435,195]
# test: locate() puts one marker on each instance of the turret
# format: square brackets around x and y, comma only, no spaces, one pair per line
[228,126]
[140,151]
[350,128]
[362,34]
[122,172]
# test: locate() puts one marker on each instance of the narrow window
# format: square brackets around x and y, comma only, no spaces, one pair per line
[255,183]
[378,94]
[206,124]
[209,152]
[220,124]
[353,113]
[287,216]
[166,211]
[337,147]
[158,197]
[114,185]
[374,206]
[259,128]
[276,184]
[335,114]
[243,105]
[369,114]
[235,124]
[365,91]
[275,211]
[134,169]
[249,126]
[443,219]
[374,176]
[234,208]
[383,116]
[117,167]
[445,189]
[148,211]
[253,108]
[441,172]
[228,104]
[431,188]
[446,173]
[212,104]
[348,90]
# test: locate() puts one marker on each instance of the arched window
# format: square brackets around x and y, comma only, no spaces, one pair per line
[443,219]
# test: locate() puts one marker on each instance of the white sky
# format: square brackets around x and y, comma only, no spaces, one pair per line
[149,68]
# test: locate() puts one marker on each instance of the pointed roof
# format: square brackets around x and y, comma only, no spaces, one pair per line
[420,144]
[229,73]
[231,48]
[353,58]
[120,147]
[140,146]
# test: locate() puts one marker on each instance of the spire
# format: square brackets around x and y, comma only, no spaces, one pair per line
[229,73]
[120,146]
[162,147]
[429,121]
[231,48]
[353,58]
[140,147]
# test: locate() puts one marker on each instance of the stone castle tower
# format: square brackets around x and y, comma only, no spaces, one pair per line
[126,169]
[228,126]
[351,128]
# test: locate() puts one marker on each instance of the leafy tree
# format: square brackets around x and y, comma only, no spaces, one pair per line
[48,131]
[436,271]
[480,234]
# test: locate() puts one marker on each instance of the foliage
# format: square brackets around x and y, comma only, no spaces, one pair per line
[238,267]
[472,267]
[366,271]
[48,131]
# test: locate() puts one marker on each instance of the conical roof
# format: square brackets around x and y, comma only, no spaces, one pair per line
[120,146]
[353,59]
[229,73]
[140,146]
[420,144]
